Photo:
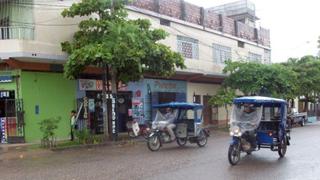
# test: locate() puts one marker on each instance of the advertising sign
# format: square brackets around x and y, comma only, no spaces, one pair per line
[3,130]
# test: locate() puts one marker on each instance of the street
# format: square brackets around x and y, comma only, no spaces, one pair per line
[171,162]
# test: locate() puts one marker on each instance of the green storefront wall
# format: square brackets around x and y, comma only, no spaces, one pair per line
[53,95]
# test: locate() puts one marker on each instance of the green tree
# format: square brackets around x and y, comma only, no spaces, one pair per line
[223,98]
[108,39]
[250,78]
[307,69]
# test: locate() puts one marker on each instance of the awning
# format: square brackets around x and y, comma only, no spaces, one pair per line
[5,79]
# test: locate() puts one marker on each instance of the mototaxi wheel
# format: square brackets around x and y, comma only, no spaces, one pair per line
[302,122]
[182,141]
[202,139]
[234,154]
[282,147]
[154,143]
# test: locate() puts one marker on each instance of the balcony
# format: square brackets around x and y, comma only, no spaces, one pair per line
[16,32]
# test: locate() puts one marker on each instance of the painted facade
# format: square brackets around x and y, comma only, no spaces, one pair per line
[33,53]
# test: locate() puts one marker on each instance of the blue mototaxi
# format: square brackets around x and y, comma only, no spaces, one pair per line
[188,120]
[258,122]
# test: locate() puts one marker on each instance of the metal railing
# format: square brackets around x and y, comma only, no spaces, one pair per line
[16,32]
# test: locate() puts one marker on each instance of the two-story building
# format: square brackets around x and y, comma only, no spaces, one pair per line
[32,87]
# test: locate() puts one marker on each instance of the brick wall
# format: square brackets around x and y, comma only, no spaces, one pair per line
[145,4]
[170,8]
[212,20]
[228,25]
[245,31]
[193,13]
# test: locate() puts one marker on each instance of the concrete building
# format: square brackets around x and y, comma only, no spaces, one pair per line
[31,64]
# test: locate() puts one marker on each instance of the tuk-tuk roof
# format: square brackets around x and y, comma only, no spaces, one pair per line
[182,105]
[258,100]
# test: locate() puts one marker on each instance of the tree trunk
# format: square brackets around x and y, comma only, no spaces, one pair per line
[227,111]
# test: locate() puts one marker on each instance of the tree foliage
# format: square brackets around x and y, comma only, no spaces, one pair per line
[307,69]
[250,78]
[106,37]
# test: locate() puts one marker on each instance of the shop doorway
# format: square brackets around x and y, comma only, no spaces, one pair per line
[207,110]
[11,118]
[91,115]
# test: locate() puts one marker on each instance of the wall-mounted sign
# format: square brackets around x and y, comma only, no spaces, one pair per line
[97,85]
[3,130]
[5,79]
[4,94]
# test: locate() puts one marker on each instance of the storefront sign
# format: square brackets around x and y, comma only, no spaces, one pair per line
[97,85]
[114,118]
[87,85]
[5,79]
[157,85]
[85,106]
[4,94]
[3,130]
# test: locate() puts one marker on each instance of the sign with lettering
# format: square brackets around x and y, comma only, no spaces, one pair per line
[97,85]
[114,117]
[158,85]
[3,130]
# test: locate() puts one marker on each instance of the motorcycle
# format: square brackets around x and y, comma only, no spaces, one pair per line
[188,128]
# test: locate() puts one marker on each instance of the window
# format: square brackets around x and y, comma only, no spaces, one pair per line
[241,44]
[254,57]
[221,53]
[188,47]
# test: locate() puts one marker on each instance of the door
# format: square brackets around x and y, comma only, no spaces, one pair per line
[207,110]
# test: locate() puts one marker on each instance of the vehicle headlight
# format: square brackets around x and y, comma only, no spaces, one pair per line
[235,131]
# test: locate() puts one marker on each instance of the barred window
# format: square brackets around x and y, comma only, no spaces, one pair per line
[188,47]
[254,57]
[221,53]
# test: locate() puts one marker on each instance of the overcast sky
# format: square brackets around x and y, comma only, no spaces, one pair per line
[294,25]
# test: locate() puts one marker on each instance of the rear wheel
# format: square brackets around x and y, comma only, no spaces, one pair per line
[282,147]
[181,141]
[154,143]
[202,139]
[234,154]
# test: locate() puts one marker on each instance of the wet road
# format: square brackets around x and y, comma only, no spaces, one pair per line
[302,161]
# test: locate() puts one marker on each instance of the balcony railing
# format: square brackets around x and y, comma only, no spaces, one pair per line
[16,32]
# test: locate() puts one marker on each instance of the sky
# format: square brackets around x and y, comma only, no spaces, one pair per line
[294,25]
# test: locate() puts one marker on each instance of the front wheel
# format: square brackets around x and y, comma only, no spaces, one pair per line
[182,141]
[282,147]
[154,143]
[302,122]
[234,154]
[202,139]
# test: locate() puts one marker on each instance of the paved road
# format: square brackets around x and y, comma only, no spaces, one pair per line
[302,161]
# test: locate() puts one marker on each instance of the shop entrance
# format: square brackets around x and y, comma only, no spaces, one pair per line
[93,112]
[11,118]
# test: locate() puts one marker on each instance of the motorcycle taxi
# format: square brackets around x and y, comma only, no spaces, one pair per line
[258,122]
[188,125]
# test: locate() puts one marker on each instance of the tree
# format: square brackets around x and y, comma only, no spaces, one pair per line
[126,48]
[307,69]
[250,78]
[224,97]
